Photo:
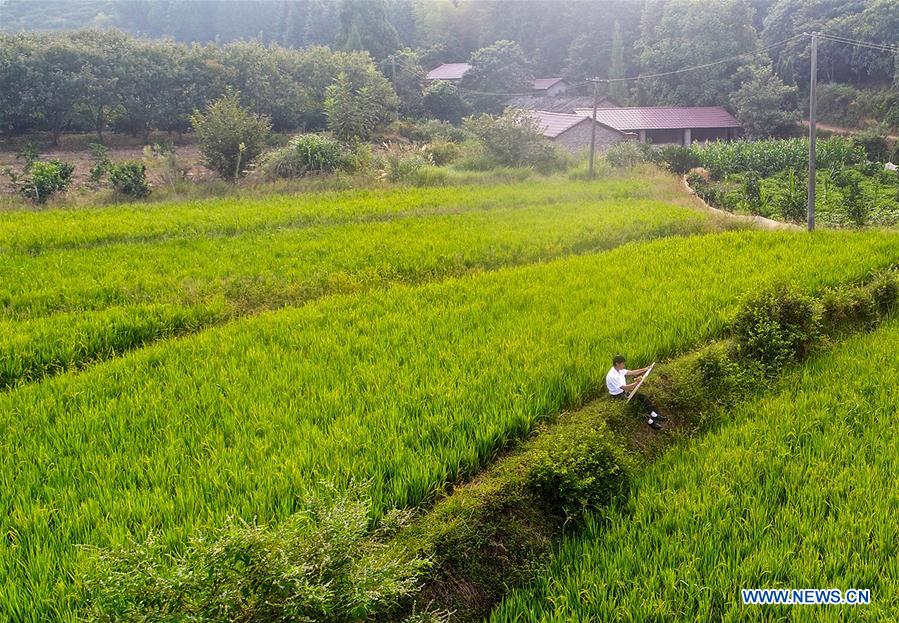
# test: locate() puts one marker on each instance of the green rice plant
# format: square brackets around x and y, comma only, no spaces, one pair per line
[56,303]
[411,387]
[32,349]
[30,232]
[795,492]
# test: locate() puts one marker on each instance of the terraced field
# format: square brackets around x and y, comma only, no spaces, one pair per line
[78,296]
[796,491]
[506,315]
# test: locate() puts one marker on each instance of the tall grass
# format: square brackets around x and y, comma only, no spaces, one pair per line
[413,387]
[797,492]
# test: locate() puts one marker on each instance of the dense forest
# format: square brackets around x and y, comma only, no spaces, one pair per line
[133,65]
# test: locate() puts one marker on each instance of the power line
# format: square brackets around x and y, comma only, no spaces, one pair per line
[771,46]
[882,47]
[422,75]
[697,67]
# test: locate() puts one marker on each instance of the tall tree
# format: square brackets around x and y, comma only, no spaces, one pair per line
[680,33]
[617,90]
[764,104]
[496,70]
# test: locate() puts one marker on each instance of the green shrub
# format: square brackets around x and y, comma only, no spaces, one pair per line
[45,179]
[837,104]
[884,291]
[752,191]
[230,136]
[582,471]
[514,139]
[402,166]
[627,154]
[676,158]
[776,327]
[861,305]
[722,375]
[308,153]
[874,141]
[792,199]
[322,564]
[441,152]
[129,179]
[101,162]
[427,130]
[441,100]
[845,307]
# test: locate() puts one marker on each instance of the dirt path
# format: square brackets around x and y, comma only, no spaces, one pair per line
[844,131]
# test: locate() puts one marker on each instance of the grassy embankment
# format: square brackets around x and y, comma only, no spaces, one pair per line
[795,490]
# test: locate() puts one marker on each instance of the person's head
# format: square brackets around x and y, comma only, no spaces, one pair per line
[618,362]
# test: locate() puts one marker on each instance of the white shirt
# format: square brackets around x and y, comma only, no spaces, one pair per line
[614,380]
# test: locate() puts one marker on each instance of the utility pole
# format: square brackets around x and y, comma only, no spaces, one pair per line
[593,128]
[393,79]
[812,133]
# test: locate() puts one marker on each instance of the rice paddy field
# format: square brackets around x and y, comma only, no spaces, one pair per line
[79,296]
[796,491]
[163,372]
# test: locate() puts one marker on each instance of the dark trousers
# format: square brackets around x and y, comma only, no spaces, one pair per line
[644,402]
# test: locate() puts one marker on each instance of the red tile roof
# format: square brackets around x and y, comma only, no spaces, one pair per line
[449,71]
[663,118]
[552,124]
[544,84]
[557,103]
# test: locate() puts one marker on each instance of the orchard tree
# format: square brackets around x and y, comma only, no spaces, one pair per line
[230,136]
[404,70]
[764,104]
[356,111]
[57,82]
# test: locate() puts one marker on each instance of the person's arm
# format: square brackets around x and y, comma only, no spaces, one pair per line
[636,372]
[631,386]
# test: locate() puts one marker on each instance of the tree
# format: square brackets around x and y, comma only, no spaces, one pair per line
[230,136]
[617,90]
[404,70]
[364,26]
[57,81]
[356,111]
[497,70]
[764,104]
[441,100]
[681,33]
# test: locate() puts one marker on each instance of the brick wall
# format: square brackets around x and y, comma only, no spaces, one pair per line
[577,139]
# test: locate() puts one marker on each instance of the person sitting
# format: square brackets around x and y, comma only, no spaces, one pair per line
[616,382]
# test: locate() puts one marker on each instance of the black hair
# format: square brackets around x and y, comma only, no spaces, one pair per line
[617,359]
